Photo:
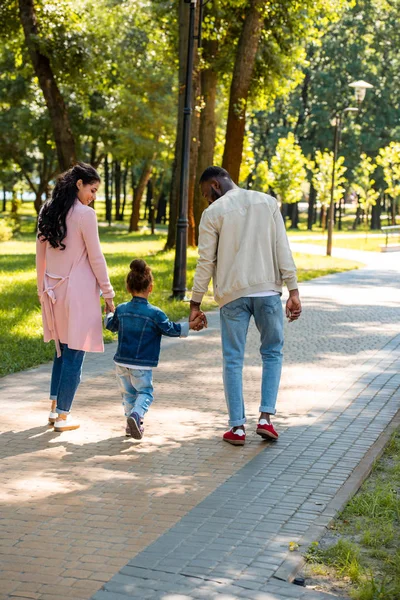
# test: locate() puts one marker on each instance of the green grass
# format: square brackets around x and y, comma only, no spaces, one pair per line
[368,551]
[366,243]
[20,317]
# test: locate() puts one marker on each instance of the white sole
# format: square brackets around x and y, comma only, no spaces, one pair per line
[66,427]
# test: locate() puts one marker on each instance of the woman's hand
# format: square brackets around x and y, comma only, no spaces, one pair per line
[110,306]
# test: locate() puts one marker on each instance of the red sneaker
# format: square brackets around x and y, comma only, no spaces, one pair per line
[266,430]
[236,438]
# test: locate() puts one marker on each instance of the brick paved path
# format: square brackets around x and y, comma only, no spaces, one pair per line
[189,514]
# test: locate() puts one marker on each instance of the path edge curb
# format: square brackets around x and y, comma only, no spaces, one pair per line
[292,565]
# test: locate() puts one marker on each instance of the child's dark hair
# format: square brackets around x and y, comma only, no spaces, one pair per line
[139,277]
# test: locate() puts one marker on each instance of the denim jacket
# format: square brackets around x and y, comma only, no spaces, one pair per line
[140,326]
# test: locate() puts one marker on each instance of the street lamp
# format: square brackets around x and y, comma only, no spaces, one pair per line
[360,88]
[179,283]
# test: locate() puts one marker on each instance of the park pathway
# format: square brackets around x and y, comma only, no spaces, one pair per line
[183,515]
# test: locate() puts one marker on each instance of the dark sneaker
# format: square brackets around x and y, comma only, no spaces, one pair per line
[127,432]
[135,426]
[266,430]
[236,438]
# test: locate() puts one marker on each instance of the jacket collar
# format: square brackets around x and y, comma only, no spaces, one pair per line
[138,299]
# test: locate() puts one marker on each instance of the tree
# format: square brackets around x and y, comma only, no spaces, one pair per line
[322,180]
[240,86]
[364,42]
[389,160]
[364,184]
[286,175]
[63,135]
[25,128]
[269,59]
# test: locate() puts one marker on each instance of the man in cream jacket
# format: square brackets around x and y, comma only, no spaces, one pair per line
[244,248]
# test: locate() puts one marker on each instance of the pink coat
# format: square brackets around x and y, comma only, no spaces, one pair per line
[69,284]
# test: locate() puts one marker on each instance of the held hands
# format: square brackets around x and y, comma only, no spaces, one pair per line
[198,323]
[197,319]
[293,306]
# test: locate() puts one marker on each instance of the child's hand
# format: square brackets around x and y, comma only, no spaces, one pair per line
[198,323]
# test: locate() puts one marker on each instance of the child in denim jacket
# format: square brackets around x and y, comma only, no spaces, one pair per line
[140,326]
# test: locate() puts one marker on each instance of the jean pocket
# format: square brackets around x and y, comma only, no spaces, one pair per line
[272,304]
[234,309]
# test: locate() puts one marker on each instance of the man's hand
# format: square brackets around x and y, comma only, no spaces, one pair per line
[198,323]
[196,312]
[293,306]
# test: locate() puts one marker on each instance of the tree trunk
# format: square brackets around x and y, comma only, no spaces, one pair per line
[117,179]
[63,135]
[294,215]
[144,178]
[124,191]
[284,211]
[207,128]
[357,219]
[162,208]
[311,206]
[376,215]
[322,218]
[93,152]
[393,211]
[107,190]
[241,80]
[4,199]
[150,203]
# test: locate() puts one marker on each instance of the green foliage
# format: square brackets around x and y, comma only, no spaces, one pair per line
[364,43]
[389,160]
[6,230]
[287,173]
[322,177]
[364,184]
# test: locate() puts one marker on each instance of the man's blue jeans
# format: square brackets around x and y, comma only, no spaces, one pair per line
[235,319]
[136,387]
[66,377]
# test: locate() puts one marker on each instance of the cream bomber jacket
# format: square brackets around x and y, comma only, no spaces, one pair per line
[243,247]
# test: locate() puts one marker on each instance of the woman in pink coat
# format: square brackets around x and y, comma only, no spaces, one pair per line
[71,271]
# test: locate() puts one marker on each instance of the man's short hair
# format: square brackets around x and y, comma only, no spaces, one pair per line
[214,173]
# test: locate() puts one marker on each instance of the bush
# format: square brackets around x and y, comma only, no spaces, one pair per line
[6,231]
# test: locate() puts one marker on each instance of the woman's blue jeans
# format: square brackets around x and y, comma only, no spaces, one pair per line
[235,319]
[66,377]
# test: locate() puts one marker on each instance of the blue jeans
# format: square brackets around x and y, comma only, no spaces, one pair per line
[235,319]
[136,387]
[66,377]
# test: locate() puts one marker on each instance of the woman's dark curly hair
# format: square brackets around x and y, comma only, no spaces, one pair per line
[52,218]
[139,277]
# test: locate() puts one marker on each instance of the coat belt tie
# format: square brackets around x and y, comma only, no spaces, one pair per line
[48,298]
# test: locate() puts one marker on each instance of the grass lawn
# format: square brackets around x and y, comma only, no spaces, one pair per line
[20,318]
[371,244]
[360,557]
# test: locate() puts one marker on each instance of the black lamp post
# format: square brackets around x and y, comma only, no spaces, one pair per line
[360,88]
[179,283]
